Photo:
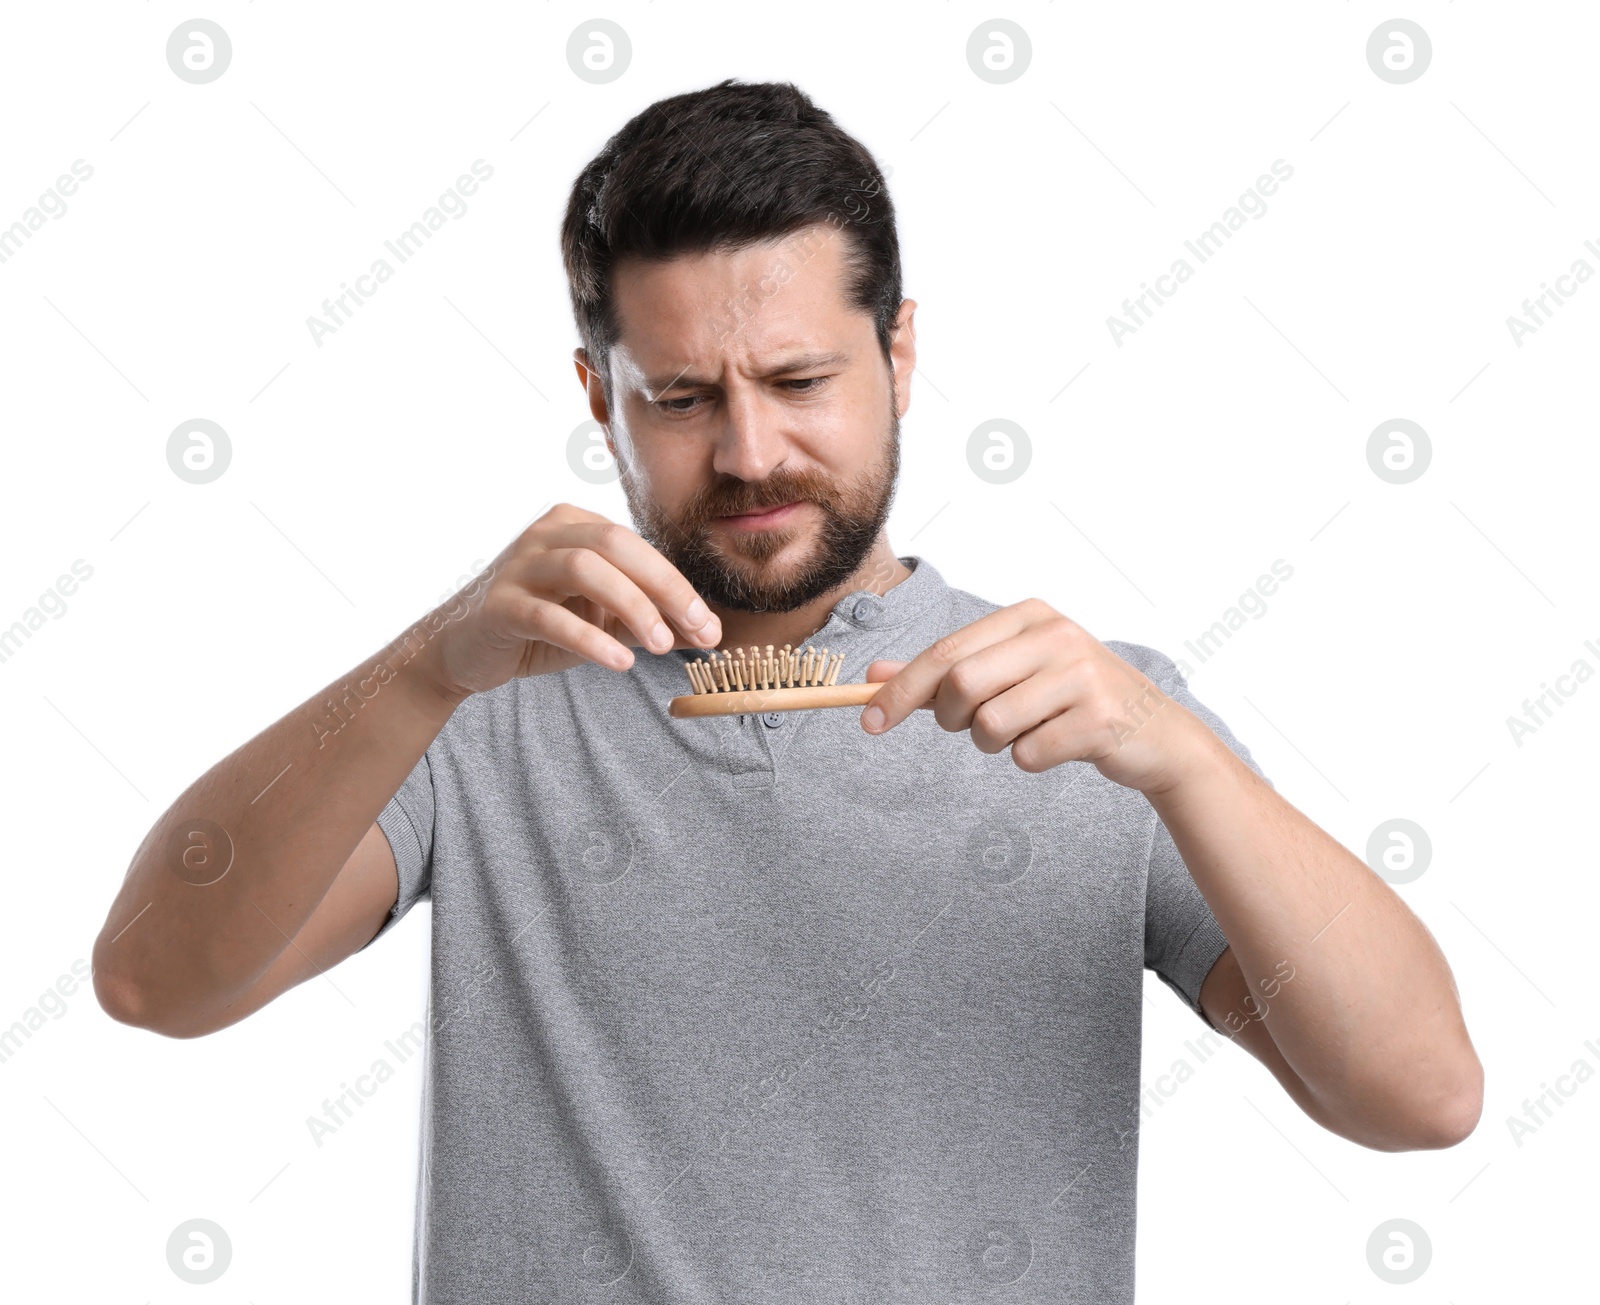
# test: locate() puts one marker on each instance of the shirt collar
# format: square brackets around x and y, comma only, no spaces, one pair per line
[864,609]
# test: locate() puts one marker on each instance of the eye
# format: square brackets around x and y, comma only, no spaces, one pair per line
[689,404]
[669,406]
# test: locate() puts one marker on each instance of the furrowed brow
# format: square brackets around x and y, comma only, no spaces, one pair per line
[800,362]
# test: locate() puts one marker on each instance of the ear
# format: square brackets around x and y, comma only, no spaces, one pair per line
[903,353]
[590,380]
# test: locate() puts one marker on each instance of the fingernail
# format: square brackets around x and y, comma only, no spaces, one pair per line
[698,614]
[661,637]
[872,718]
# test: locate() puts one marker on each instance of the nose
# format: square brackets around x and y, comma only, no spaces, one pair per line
[751,442]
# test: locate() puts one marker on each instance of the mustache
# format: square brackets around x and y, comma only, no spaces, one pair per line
[733,497]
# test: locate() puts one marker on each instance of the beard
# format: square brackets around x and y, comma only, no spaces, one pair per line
[739,573]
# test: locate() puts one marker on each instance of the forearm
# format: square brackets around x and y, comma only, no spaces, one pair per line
[1371,1022]
[233,869]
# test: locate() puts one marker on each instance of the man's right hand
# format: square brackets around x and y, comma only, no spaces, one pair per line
[573,587]
[311,876]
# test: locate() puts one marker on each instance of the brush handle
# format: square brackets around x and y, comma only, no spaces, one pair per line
[755,701]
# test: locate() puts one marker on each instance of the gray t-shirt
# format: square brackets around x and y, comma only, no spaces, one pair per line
[768,1008]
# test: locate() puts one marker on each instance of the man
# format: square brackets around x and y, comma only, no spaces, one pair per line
[812,1005]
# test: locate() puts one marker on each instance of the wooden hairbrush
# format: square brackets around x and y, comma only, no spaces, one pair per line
[753,681]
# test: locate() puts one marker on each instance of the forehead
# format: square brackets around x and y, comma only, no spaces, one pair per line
[733,306]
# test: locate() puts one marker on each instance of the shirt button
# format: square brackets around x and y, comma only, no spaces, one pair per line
[773,719]
[865,609]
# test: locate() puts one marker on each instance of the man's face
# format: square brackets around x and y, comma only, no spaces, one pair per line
[754,419]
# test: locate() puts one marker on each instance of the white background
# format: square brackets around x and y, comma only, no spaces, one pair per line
[368,475]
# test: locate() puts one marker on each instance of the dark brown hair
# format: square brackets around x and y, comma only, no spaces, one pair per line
[720,169]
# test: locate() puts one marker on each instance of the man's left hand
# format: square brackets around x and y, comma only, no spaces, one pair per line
[1028,678]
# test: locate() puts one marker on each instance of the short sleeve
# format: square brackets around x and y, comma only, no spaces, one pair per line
[1182,939]
[407,822]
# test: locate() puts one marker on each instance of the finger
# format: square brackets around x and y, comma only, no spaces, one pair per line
[529,616]
[883,670]
[1005,716]
[987,674]
[1052,742]
[1078,731]
[584,574]
[665,585]
[919,680]
[608,621]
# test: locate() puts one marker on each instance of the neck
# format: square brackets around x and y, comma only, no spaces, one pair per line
[879,572]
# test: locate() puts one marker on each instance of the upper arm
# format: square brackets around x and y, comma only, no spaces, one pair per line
[344,921]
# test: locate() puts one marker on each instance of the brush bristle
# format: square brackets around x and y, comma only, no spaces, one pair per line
[722,671]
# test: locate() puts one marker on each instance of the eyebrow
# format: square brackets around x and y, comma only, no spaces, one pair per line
[655,386]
